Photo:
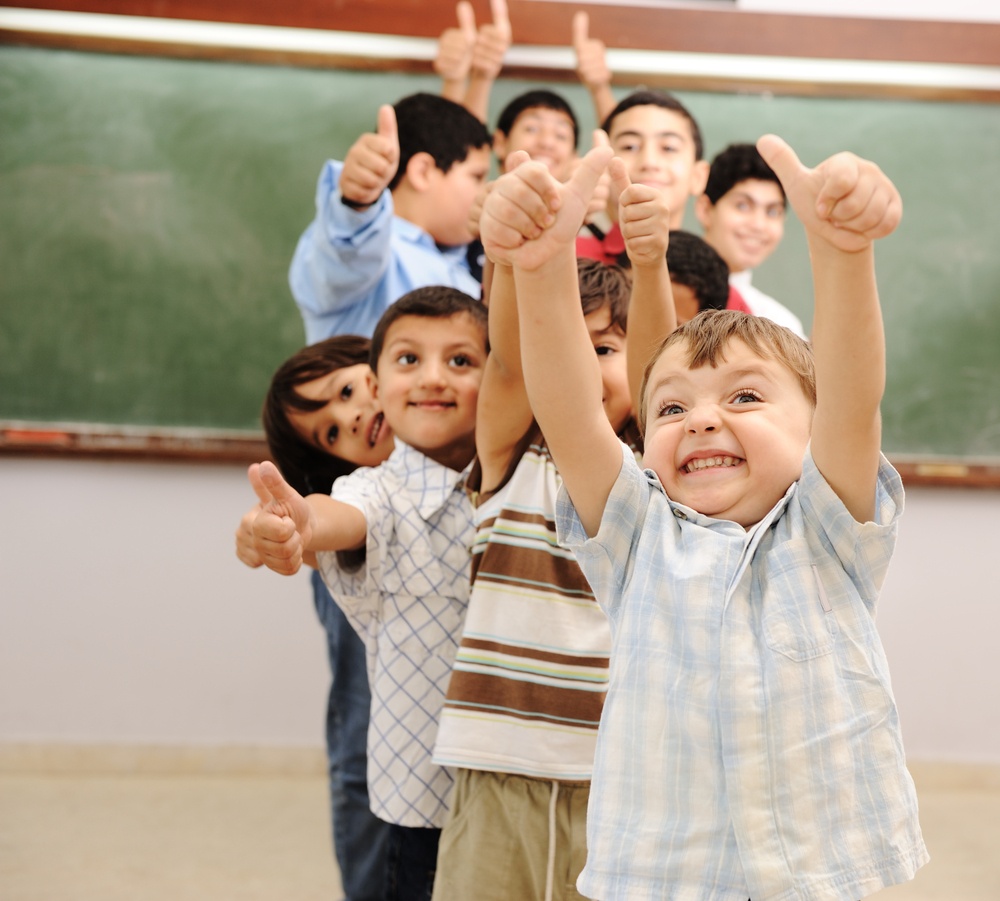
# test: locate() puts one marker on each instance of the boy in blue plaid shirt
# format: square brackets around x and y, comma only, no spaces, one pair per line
[750,744]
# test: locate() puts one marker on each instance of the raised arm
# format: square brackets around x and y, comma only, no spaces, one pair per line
[644,218]
[530,221]
[290,529]
[844,204]
[371,162]
[491,45]
[454,53]
[592,66]
[503,414]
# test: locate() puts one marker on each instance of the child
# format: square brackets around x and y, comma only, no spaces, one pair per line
[321,422]
[749,745]
[469,59]
[521,713]
[413,520]
[661,144]
[392,217]
[699,277]
[742,213]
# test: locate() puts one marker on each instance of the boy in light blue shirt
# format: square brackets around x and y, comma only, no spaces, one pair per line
[393,216]
[750,743]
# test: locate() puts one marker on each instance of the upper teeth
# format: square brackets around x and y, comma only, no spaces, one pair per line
[706,462]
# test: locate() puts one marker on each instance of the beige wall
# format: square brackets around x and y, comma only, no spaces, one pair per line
[125,617]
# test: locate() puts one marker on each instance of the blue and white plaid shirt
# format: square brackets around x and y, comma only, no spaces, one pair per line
[408,604]
[750,744]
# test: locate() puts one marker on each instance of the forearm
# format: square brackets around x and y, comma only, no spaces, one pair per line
[334,525]
[476,98]
[651,317]
[603,100]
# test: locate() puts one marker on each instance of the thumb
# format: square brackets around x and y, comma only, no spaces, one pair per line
[619,177]
[275,485]
[253,473]
[467,20]
[501,18]
[589,172]
[515,159]
[581,28]
[781,158]
[600,137]
[387,124]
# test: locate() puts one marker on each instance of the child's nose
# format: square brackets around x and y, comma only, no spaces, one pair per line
[703,418]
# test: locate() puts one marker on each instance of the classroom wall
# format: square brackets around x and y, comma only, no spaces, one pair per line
[126,619]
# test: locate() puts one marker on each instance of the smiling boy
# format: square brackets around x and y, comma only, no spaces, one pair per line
[750,743]
[413,520]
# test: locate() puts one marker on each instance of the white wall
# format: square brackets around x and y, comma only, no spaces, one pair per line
[125,617]
[953,11]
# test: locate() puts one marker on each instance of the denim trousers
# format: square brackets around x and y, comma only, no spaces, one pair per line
[360,839]
[412,863]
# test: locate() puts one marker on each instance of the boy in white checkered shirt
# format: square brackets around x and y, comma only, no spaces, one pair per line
[749,744]
[412,520]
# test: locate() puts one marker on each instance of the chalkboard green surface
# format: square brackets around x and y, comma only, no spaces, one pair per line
[149,209]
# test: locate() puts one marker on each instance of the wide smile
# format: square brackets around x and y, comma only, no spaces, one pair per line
[711,463]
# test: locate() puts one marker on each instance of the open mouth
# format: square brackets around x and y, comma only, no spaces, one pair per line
[375,429]
[718,462]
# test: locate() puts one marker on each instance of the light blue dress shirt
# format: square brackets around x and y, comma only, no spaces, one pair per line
[750,744]
[350,265]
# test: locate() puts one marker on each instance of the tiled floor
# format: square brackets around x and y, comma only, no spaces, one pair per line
[71,836]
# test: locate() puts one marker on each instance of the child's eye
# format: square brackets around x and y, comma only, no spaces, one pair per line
[347,391]
[605,349]
[670,409]
[746,396]
[462,360]
[332,434]
[407,359]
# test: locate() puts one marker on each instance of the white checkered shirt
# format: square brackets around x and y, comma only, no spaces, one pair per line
[750,744]
[408,603]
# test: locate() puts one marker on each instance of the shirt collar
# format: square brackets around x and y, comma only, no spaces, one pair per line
[741,279]
[425,483]
[414,234]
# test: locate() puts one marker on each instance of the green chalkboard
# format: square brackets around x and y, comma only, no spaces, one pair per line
[149,209]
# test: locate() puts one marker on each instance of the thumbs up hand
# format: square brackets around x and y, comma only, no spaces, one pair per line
[371,162]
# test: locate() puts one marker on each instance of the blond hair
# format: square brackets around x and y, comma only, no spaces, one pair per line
[709,333]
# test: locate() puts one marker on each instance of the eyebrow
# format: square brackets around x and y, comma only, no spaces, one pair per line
[633,133]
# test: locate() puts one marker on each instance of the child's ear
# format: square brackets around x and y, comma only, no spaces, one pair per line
[500,146]
[699,177]
[703,210]
[420,170]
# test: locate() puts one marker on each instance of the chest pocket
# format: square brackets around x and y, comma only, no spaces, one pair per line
[798,619]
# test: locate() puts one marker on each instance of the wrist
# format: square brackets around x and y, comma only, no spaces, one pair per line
[355,205]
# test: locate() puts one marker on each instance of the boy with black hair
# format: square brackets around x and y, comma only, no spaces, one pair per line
[698,275]
[660,142]
[392,217]
[742,213]
[411,522]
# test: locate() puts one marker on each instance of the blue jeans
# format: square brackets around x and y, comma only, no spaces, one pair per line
[412,863]
[360,839]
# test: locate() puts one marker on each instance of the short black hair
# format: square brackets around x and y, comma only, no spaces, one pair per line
[540,99]
[735,164]
[693,262]
[428,123]
[432,302]
[307,468]
[664,100]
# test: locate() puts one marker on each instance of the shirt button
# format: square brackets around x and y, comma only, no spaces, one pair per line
[680,514]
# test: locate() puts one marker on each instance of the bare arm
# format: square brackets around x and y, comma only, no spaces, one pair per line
[289,529]
[491,45]
[644,218]
[530,221]
[503,415]
[845,204]
[592,66]
[454,53]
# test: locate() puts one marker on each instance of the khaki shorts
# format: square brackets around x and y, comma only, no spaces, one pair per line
[495,844]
